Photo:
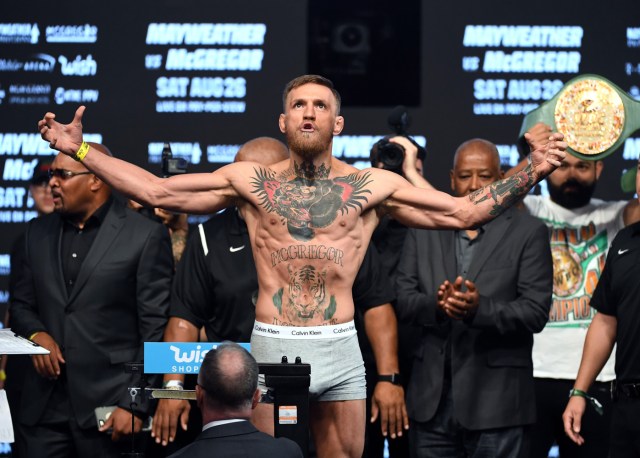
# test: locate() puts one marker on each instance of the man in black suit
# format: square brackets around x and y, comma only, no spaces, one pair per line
[227,392]
[94,286]
[479,295]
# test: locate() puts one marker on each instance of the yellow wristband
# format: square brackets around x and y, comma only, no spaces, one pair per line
[82,152]
[33,335]
[3,375]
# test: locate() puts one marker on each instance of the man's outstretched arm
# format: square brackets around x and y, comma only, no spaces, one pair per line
[195,193]
[429,209]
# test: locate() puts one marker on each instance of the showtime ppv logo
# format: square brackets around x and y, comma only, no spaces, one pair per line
[64,95]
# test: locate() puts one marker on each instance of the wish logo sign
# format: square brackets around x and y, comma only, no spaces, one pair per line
[177,357]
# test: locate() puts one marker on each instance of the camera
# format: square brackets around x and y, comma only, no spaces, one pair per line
[391,154]
[172,165]
[169,166]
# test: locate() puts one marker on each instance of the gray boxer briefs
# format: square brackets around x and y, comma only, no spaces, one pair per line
[337,369]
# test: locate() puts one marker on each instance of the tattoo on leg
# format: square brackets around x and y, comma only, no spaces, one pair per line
[505,192]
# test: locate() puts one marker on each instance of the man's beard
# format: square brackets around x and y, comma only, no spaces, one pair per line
[577,197]
[308,145]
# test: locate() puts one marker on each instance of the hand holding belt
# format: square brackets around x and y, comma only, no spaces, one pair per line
[594,115]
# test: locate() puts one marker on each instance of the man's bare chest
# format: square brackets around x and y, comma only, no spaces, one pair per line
[306,207]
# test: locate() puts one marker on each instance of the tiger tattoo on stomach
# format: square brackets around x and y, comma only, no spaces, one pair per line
[304,302]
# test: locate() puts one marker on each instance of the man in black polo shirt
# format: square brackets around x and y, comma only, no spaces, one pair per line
[617,322]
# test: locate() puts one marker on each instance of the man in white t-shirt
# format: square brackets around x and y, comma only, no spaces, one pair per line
[581,229]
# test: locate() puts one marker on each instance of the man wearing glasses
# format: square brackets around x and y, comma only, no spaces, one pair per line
[94,286]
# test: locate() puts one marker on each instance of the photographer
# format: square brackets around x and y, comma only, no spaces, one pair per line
[403,156]
[177,223]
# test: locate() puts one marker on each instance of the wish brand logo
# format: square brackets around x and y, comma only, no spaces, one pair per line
[78,66]
[193,356]
[177,357]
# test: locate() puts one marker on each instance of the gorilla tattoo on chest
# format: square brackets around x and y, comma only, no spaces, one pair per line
[309,200]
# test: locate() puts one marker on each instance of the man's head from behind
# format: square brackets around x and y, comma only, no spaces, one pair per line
[573,183]
[77,192]
[263,150]
[476,163]
[227,383]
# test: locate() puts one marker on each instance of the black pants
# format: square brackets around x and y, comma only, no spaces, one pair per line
[625,428]
[552,396]
[67,440]
[444,437]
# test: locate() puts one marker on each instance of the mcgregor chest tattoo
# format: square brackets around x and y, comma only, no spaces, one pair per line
[306,203]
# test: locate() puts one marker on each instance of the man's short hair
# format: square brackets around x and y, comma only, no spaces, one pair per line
[310,79]
[229,376]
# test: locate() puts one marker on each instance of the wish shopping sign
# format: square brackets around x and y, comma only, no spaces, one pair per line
[177,357]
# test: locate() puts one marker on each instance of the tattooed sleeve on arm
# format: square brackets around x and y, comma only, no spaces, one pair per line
[504,192]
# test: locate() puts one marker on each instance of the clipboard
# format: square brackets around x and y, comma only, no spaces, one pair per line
[13,344]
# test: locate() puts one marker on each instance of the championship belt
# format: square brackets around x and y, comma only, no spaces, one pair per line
[594,115]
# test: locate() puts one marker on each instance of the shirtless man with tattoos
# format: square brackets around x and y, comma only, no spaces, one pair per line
[310,219]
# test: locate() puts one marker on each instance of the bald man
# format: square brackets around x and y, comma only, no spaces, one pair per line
[227,392]
[479,295]
[263,150]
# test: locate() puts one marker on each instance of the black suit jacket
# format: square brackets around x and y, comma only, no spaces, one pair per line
[120,300]
[491,367]
[238,440]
